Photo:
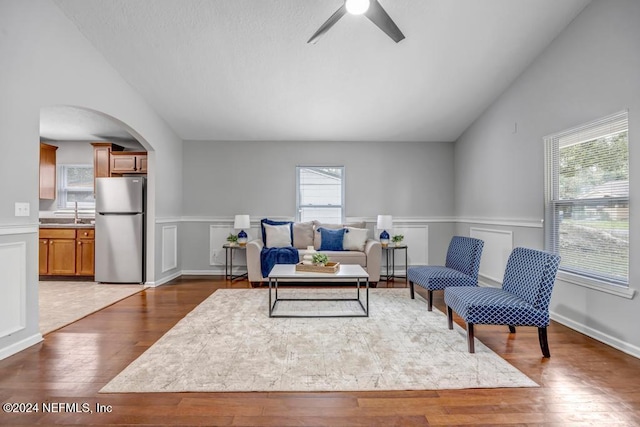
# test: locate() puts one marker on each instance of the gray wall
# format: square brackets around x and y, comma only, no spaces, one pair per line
[413,181]
[591,70]
[403,179]
[45,62]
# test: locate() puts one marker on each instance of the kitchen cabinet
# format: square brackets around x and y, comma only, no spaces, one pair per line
[102,158]
[43,253]
[85,250]
[67,252]
[128,162]
[47,171]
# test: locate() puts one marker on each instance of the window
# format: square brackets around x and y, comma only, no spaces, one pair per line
[75,184]
[587,199]
[320,193]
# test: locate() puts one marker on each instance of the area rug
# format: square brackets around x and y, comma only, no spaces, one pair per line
[229,344]
[62,303]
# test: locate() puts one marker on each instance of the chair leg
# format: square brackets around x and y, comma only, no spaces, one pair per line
[413,296]
[512,329]
[430,302]
[544,344]
[472,348]
[450,317]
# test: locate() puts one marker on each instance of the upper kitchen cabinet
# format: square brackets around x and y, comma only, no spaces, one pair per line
[102,158]
[111,160]
[47,171]
[128,162]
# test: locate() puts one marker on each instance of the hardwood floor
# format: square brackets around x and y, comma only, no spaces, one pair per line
[583,383]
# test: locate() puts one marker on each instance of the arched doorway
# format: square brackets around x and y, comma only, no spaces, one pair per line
[76,131]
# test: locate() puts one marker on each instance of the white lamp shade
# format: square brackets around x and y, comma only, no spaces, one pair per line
[385,222]
[241,222]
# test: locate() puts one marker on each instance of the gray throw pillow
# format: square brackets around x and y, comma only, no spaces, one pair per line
[302,234]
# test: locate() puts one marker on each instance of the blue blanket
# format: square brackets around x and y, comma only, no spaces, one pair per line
[272,256]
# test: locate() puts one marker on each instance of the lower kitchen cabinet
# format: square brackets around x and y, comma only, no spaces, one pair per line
[85,250]
[66,252]
[43,254]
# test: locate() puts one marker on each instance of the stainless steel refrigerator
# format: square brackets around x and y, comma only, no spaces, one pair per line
[120,234]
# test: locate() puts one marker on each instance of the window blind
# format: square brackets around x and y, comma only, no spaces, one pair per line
[587,198]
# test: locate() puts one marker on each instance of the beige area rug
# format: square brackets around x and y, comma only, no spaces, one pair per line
[229,344]
[62,303]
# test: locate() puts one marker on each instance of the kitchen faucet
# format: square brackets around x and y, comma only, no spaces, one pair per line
[76,218]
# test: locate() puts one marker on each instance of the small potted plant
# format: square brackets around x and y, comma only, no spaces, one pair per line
[232,239]
[320,259]
[397,239]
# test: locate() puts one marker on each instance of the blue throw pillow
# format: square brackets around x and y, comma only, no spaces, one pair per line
[272,222]
[331,239]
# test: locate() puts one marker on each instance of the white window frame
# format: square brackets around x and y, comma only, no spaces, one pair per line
[300,206]
[63,189]
[613,124]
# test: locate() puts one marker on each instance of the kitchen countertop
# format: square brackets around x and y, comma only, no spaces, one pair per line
[66,225]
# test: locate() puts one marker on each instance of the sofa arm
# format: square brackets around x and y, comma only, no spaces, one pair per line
[254,248]
[373,251]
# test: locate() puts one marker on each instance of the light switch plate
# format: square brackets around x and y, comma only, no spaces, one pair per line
[22,209]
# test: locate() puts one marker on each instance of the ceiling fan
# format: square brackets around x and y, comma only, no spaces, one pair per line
[371,9]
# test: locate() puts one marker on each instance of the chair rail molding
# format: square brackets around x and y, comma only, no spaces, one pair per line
[507,222]
[13,229]
[168,220]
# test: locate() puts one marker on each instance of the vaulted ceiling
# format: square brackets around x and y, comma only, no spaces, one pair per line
[242,69]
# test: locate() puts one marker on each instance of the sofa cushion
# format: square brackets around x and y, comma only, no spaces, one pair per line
[331,239]
[277,236]
[317,237]
[347,257]
[272,222]
[302,234]
[354,239]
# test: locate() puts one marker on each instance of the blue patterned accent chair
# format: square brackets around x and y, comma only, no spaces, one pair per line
[460,269]
[523,299]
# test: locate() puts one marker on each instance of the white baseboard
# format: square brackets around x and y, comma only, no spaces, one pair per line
[163,280]
[597,335]
[20,345]
[211,272]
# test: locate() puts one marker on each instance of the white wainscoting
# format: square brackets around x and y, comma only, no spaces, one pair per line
[218,234]
[415,231]
[498,245]
[416,238]
[13,261]
[169,247]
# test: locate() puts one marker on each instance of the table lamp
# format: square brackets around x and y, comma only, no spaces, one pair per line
[240,223]
[385,222]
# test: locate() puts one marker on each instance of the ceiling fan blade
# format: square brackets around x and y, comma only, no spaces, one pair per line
[379,16]
[328,24]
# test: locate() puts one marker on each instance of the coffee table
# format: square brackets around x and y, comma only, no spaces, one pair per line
[346,273]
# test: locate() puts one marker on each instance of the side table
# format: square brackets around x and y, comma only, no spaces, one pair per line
[228,261]
[390,253]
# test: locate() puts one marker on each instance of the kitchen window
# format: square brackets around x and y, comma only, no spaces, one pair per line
[587,199]
[320,193]
[75,184]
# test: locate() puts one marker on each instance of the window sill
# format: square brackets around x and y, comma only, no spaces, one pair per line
[597,285]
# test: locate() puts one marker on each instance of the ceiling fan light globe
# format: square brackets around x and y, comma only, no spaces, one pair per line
[357,7]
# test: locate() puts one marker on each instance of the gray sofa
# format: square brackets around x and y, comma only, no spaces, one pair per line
[308,234]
